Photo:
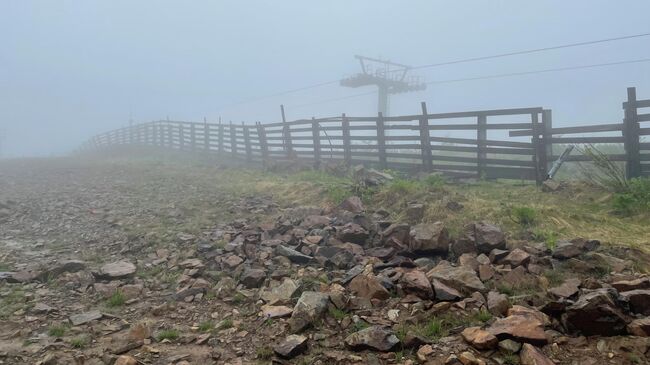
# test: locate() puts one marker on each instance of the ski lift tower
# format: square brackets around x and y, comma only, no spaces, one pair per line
[389,77]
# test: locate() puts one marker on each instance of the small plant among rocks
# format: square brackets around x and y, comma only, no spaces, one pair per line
[79,342]
[264,353]
[225,324]
[57,330]
[168,334]
[116,300]
[524,216]
[206,326]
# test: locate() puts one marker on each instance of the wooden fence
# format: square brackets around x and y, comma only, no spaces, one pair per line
[505,143]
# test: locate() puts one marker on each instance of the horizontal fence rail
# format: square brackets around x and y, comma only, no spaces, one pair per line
[505,143]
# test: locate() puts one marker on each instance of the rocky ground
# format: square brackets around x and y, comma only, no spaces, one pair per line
[113,263]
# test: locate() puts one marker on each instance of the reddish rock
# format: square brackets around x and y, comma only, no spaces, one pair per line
[486,272]
[368,286]
[627,285]
[519,328]
[596,313]
[516,257]
[639,327]
[416,282]
[639,300]
[445,293]
[568,289]
[531,355]
[459,278]
[428,237]
[352,232]
[479,338]
[352,204]
[497,303]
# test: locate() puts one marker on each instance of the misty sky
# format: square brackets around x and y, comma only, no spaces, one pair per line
[70,69]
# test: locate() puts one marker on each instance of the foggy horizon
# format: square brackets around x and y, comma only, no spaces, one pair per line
[70,70]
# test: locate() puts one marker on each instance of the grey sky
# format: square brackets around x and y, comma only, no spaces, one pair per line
[70,69]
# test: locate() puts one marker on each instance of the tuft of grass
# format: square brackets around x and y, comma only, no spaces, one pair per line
[435,181]
[79,342]
[337,314]
[57,330]
[555,277]
[168,334]
[359,325]
[523,215]
[264,353]
[634,199]
[206,326]
[116,300]
[547,236]
[510,359]
[403,186]
[238,298]
[225,324]
[483,315]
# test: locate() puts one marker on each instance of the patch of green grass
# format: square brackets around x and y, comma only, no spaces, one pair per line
[12,301]
[435,181]
[264,353]
[116,300]
[555,277]
[337,314]
[224,324]
[635,199]
[4,267]
[79,342]
[510,359]
[359,325]
[150,273]
[523,215]
[168,334]
[403,186]
[238,298]
[57,330]
[206,326]
[482,316]
[547,236]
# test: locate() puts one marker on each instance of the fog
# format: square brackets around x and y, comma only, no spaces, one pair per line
[71,69]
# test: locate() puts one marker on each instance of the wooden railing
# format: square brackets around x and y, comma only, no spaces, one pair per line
[504,143]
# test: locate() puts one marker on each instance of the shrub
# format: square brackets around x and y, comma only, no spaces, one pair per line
[524,216]
[635,199]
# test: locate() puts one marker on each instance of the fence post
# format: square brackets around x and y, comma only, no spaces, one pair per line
[286,134]
[315,133]
[540,165]
[631,135]
[547,139]
[220,136]
[264,150]
[425,140]
[233,140]
[345,129]
[192,137]
[206,135]
[247,143]
[381,141]
[481,144]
